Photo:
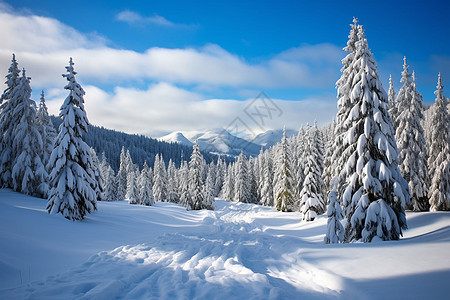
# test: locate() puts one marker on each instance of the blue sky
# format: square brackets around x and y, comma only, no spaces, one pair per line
[291,50]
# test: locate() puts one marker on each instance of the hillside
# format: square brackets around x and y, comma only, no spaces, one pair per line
[238,251]
[141,147]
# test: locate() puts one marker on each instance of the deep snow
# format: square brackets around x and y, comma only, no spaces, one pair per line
[238,251]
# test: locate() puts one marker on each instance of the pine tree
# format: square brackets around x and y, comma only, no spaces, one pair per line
[121,178]
[110,189]
[145,186]
[284,190]
[159,180]
[209,188]
[312,200]
[328,172]
[197,196]
[267,186]
[439,160]
[98,184]
[7,125]
[71,176]
[46,129]
[219,177]
[242,187]
[392,100]
[404,95]
[28,173]
[228,184]
[411,143]
[172,186]
[183,174]
[347,111]
[374,192]
[335,230]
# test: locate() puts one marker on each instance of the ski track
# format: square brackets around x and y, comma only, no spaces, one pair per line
[232,258]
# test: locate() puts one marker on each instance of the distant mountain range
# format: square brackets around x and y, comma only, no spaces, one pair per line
[220,141]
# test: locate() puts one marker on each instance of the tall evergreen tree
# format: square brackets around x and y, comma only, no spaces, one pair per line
[172,185]
[283,181]
[228,184]
[411,143]
[183,179]
[28,172]
[110,187]
[374,192]
[145,186]
[121,177]
[335,230]
[219,177]
[159,180]
[208,188]
[242,184]
[403,99]
[46,129]
[71,176]
[347,111]
[98,183]
[7,125]
[197,196]
[312,199]
[439,160]
[391,99]
[267,186]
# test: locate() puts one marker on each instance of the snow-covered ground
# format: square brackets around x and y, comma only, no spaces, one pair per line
[238,251]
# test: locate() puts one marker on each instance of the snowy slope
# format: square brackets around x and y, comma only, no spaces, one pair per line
[215,140]
[238,251]
[176,137]
[271,137]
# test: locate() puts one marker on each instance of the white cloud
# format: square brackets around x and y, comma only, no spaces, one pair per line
[46,44]
[134,18]
[164,108]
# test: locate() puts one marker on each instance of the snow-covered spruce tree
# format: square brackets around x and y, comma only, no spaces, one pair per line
[328,172]
[299,175]
[403,99]
[267,181]
[335,230]
[28,173]
[132,187]
[208,188]
[439,160]
[159,180]
[374,192]
[110,187]
[228,184]
[195,183]
[219,177]
[346,110]
[411,144]
[183,179]
[391,100]
[46,129]
[71,175]
[284,190]
[172,185]
[7,125]
[145,186]
[121,178]
[242,184]
[311,197]
[253,179]
[98,186]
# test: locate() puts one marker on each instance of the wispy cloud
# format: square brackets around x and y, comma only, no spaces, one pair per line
[134,18]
